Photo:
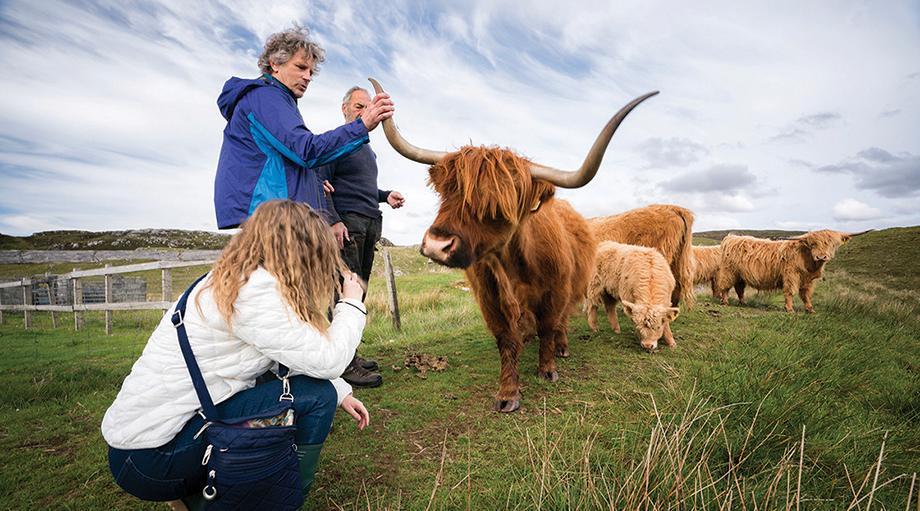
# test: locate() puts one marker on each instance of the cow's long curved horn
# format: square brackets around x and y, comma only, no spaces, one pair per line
[402,146]
[861,233]
[585,173]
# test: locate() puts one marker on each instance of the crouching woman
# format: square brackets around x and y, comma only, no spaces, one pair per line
[264,303]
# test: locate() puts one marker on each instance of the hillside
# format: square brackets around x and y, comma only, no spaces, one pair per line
[121,240]
[759,233]
[116,240]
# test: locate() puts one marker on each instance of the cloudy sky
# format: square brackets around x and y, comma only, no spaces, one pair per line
[794,115]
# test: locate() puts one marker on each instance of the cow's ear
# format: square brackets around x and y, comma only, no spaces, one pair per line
[673,312]
[845,238]
[628,307]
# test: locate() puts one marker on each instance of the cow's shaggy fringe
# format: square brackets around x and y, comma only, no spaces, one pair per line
[492,182]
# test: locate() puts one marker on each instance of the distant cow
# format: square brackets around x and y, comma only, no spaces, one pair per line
[706,262]
[641,279]
[527,255]
[667,228]
[792,264]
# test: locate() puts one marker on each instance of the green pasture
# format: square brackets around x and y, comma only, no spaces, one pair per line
[753,409]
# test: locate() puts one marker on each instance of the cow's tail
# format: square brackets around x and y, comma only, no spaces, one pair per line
[684,272]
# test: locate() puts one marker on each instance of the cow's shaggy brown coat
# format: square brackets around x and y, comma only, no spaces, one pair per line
[792,265]
[706,261]
[641,279]
[527,255]
[666,228]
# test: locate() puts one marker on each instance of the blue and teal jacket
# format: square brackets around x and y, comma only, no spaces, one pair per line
[267,151]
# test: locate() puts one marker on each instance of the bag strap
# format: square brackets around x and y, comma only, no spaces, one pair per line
[201,388]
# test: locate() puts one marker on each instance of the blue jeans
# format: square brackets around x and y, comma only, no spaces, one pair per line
[174,470]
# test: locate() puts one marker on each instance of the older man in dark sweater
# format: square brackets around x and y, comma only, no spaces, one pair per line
[354,213]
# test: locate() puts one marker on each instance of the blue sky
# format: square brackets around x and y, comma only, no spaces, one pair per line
[771,115]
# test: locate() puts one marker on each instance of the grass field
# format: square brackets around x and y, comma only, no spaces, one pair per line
[754,408]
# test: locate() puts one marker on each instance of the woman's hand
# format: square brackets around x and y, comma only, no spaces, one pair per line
[352,287]
[356,409]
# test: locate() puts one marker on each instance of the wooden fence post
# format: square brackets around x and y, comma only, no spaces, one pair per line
[77,300]
[166,280]
[51,299]
[108,300]
[27,300]
[391,290]
[1,310]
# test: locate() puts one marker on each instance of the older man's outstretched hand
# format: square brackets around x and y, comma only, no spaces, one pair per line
[381,108]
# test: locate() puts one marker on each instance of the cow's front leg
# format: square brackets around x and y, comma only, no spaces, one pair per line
[592,316]
[508,398]
[790,288]
[739,290]
[610,305]
[547,364]
[806,293]
[668,335]
[724,282]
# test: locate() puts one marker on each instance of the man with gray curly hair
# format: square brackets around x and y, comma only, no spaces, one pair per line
[267,151]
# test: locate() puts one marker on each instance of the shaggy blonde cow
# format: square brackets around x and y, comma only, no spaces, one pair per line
[666,228]
[792,264]
[706,262]
[641,279]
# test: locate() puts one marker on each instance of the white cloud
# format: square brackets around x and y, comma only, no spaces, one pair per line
[849,210]
[112,122]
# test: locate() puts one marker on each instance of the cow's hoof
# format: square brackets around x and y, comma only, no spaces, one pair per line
[507,405]
[550,375]
[810,311]
[562,352]
[616,330]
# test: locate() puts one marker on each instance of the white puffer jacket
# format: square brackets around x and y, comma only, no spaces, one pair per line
[157,398]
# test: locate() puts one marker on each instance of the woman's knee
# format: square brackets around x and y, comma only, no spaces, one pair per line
[315,402]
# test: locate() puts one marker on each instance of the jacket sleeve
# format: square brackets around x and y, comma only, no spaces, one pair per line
[327,172]
[382,195]
[342,389]
[264,320]
[279,123]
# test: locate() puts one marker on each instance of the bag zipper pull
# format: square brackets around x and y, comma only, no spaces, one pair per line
[210,491]
[207,455]
[200,431]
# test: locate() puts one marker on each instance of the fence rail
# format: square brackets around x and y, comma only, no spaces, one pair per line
[78,307]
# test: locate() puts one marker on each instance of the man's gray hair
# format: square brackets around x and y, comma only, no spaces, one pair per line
[281,46]
[351,91]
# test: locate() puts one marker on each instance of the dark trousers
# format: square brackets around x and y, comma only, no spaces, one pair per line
[364,232]
[174,470]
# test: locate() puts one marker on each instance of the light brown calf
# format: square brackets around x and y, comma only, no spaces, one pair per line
[641,279]
[666,228]
[792,264]
[706,262]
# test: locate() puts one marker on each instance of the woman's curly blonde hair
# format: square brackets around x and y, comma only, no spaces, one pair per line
[293,243]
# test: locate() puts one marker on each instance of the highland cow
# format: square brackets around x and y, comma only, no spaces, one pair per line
[706,262]
[526,254]
[791,264]
[666,228]
[641,279]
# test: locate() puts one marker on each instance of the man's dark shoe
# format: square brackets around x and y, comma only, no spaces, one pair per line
[361,377]
[367,363]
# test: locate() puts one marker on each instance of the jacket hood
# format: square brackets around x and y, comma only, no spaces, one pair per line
[234,90]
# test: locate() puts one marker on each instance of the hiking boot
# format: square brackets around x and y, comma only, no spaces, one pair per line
[358,376]
[367,363]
